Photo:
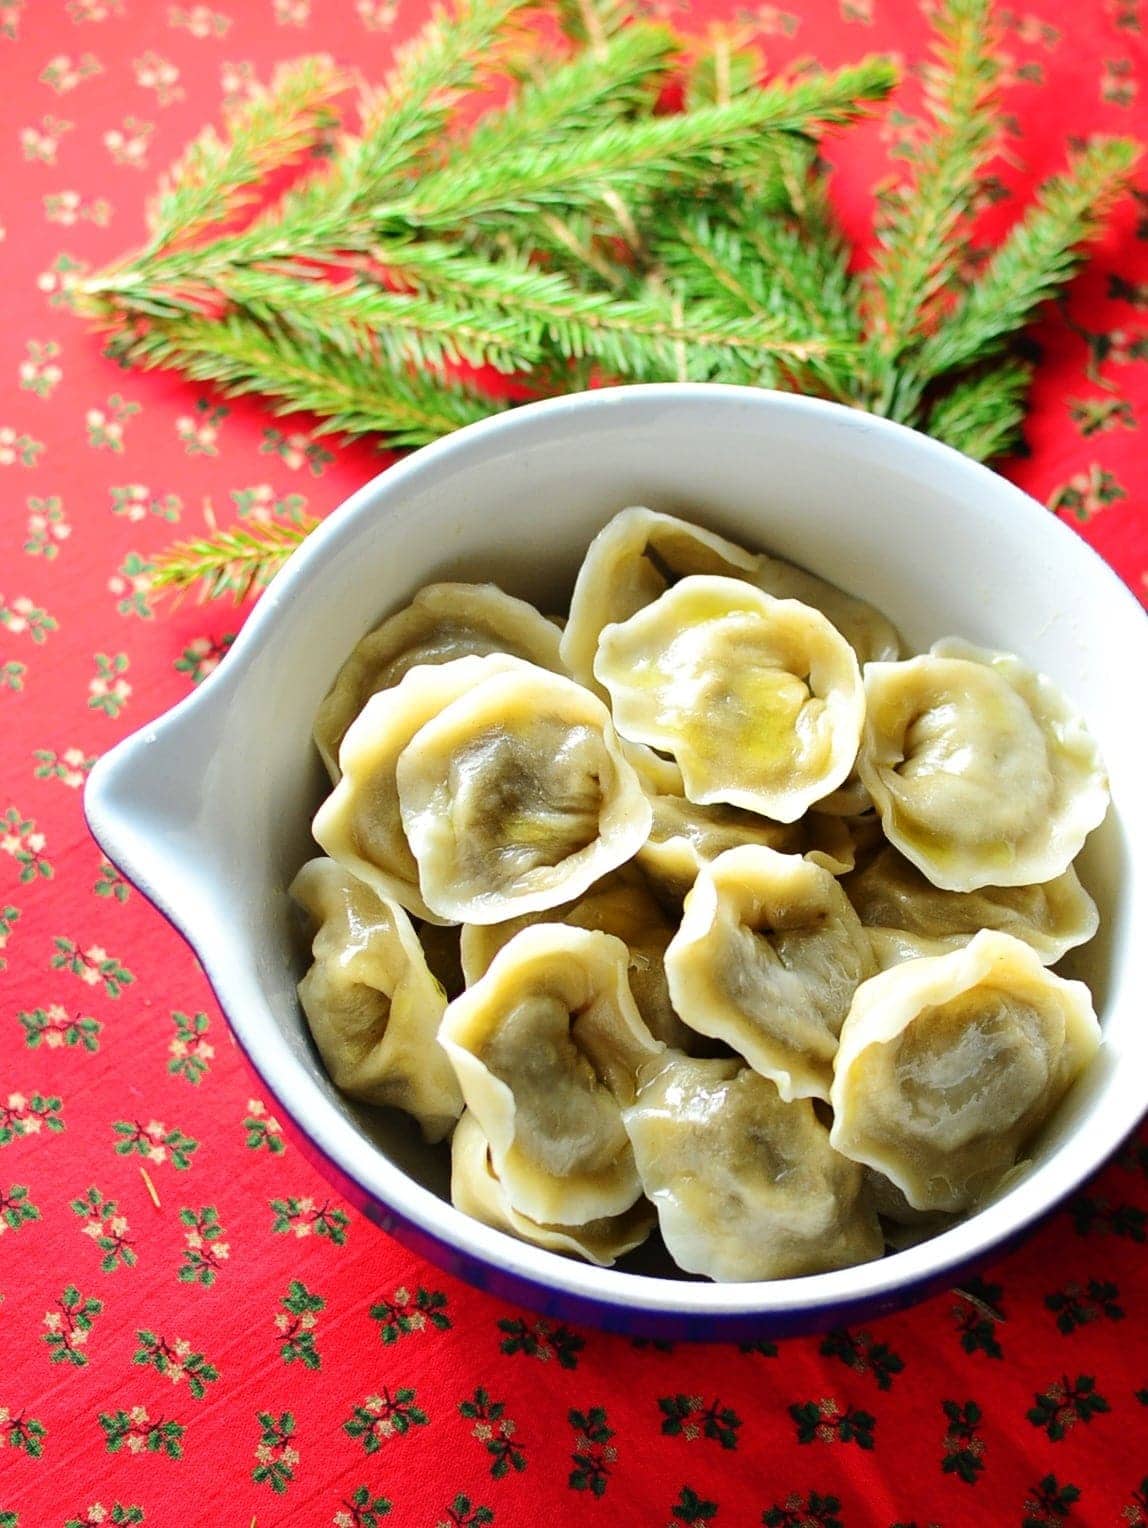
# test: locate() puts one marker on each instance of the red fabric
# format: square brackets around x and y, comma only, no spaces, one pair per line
[263,1413]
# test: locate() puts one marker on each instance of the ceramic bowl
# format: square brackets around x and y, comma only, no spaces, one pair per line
[208,809]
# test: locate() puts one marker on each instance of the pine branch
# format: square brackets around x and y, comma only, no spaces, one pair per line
[576,234]
[361,318]
[235,561]
[982,414]
[917,239]
[1037,259]
[770,267]
[583,94]
[349,394]
[404,122]
[649,336]
[634,158]
[585,172]
[210,182]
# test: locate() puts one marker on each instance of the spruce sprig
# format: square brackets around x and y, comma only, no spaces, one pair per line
[235,561]
[213,180]
[636,158]
[1038,258]
[580,233]
[917,237]
[983,413]
[350,395]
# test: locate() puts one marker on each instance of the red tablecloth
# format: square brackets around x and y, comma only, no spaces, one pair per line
[247,1348]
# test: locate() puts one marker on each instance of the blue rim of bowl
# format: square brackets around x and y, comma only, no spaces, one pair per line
[457,1256]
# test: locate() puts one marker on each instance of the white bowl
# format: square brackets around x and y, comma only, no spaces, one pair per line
[208,809]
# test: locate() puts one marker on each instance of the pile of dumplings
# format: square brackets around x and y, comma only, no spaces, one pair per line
[704,908]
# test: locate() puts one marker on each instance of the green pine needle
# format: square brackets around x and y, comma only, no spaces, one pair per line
[916,241]
[1037,259]
[982,415]
[581,96]
[212,181]
[578,234]
[232,562]
[350,395]
[634,158]
[766,266]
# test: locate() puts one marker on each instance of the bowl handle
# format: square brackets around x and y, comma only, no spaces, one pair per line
[145,802]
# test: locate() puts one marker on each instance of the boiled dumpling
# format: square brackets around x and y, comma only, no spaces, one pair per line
[442,622]
[640,553]
[621,904]
[546,1048]
[870,634]
[759,700]
[948,1066]
[630,562]
[685,836]
[981,771]
[768,957]
[517,797]
[891,946]
[360,823]
[475,1190]
[372,1005]
[890,893]
[745,1185]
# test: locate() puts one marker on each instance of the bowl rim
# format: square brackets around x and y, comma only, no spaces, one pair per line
[406,1205]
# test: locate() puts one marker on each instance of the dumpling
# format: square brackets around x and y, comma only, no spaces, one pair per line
[372,1005]
[621,904]
[759,700]
[981,771]
[517,797]
[630,562]
[768,957]
[948,1066]
[641,553]
[476,1191]
[745,1185]
[360,823]
[546,1048]
[442,622]
[685,836]
[890,893]
[891,946]
[872,636]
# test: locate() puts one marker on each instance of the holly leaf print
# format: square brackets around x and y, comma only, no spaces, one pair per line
[54,1027]
[22,1432]
[154,1142]
[275,1454]
[384,1416]
[94,966]
[204,1251]
[69,1325]
[405,1312]
[135,1431]
[16,1208]
[21,1116]
[176,1361]
[296,1323]
[190,1052]
[107,1228]
[688,1416]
